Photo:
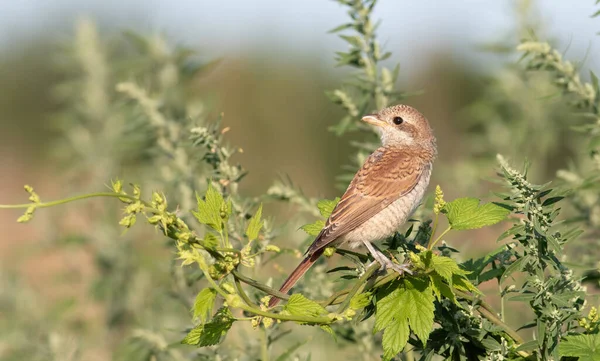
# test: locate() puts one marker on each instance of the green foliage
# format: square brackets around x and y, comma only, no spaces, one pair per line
[210,333]
[436,308]
[298,305]
[255,225]
[313,229]
[213,210]
[204,304]
[585,347]
[408,303]
[465,213]
[326,206]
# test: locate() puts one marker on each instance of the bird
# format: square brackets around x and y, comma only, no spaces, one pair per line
[385,191]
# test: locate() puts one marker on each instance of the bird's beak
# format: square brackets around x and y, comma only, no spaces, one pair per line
[374,120]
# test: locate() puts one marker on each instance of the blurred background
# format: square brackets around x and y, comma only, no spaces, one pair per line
[276,62]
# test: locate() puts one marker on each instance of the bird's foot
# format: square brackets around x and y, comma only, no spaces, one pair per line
[399,268]
[386,262]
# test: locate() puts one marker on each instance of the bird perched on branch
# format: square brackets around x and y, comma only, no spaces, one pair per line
[384,192]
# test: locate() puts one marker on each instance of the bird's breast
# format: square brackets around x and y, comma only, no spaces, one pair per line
[388,220]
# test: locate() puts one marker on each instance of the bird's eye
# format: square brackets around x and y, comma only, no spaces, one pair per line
[398,120]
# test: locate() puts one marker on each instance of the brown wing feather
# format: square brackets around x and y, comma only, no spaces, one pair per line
[387,175]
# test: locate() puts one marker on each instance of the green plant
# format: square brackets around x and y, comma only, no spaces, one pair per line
[221,242]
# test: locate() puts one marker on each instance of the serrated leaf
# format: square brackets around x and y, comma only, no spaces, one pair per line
[394,339]
[210,334]
[298,305]
[360,300]
[420,295]
[445,267]
[387,307]
[212,210]
[462,283]
[326,206]
[411,299]
[441,289]
[329,330]
[210,241]
[313,229]
[466,213]
[204,303]
[254,225]
[586,347]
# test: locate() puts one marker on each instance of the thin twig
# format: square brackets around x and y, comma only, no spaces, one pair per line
[260,286]
[357,286]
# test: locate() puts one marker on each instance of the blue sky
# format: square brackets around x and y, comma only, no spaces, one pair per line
[411,29]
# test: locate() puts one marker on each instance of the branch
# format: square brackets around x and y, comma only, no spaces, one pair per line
[260,286]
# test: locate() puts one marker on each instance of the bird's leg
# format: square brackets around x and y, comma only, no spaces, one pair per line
[386,262]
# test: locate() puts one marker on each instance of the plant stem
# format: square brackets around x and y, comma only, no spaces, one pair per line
[332,300]
[242,293]
[70,199]
[488,312]
[227,244]
[264,349]
[260,286]
[433,230]
[357,286]
[323,320]
[431,245]
[501,302]
[258,311]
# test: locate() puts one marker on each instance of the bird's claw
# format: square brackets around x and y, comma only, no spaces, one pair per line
[398,268]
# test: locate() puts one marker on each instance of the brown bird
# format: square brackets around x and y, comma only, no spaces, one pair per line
[384,192]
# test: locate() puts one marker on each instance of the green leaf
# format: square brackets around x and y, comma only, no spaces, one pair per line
[394,339]
[314,229]
[462,283]
[210,241]
[441,289]
[466,213]
[210,333]
[254,225]
[299,305]
[326,206]
[213,210]
[446,267]
[528,346]
[387,307]
[341,27]
[205,301]
[410,300]
[360,300]
[353,40]
[586,347]
[516,266]
[329,330]
[491,344]
[420,295]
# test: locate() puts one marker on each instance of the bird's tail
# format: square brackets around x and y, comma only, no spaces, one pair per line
[306,263]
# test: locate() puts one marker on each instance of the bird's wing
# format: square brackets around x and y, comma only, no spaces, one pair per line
[387,175]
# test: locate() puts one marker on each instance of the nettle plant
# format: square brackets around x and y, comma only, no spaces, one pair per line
[436,310]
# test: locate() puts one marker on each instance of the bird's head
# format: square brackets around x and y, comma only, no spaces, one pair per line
[402,125]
